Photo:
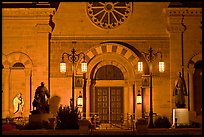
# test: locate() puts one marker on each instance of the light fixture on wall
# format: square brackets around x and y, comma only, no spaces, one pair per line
[73,57]
[139,98]
[84,66]
[140,66]
[80,100]
[150,56]
[161,65]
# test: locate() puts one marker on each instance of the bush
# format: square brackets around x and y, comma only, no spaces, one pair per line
[194,124]
[162,122]
[67,118]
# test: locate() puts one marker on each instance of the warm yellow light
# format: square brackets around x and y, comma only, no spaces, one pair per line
[62,67]
[139,99]
[161,66]
[140,66]
[80,100]
[83,67]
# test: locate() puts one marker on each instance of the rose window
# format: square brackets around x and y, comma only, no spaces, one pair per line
[109,15]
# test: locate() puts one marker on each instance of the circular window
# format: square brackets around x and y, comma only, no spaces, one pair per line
[109,15]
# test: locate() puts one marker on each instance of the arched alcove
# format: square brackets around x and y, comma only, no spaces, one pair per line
[112,69]
[16,78]
[197,85]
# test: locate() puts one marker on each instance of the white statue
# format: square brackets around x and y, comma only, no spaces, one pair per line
[18,103]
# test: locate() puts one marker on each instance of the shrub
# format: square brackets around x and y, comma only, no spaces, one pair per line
[162,122]
[194,124]
[67,118]
[10,118]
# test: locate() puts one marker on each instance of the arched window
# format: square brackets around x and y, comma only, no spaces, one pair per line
[18,65]
[109,72]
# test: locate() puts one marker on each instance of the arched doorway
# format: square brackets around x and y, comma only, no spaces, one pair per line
[125,58]
[109,99]
[197,83]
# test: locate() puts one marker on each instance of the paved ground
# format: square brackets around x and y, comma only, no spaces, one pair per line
[10,129]
[155,131]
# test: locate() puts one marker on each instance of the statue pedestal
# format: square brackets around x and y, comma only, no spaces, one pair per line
[38,119]
[182,116]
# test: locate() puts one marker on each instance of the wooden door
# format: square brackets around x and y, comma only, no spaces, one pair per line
[109,104]
[116,104]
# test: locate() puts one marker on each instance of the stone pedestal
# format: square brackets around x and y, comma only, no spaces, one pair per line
[141,124]
[38,119]
[182,116]
[84,126]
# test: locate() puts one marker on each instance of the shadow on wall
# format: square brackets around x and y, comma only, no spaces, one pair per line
[54,104]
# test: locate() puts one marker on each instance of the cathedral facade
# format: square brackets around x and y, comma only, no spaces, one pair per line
[114,37]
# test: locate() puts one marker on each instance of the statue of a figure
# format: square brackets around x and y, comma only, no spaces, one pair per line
[18,103]
[180,91]
[40,103]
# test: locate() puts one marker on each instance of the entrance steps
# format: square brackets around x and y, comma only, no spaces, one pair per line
[113,126]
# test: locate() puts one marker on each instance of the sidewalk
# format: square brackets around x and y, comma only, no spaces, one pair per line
[150,131]
[153,131]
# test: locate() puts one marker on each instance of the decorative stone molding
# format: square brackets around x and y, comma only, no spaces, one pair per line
[25,13]
[176,28]
[191,68]
[196,57]
[14,57]
[117,13]
[43,28]
[175,17]
[183,11]
[139,38]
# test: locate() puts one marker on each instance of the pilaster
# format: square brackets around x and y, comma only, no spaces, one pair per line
[28,100]
[191,89]
[5,92]
[176,28]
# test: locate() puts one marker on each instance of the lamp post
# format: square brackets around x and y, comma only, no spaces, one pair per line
[73,57]
[150,56]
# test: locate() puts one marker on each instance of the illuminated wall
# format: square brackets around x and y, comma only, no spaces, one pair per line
[26,33]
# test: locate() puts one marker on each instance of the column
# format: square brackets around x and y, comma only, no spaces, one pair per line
[87,99]
[130,90]
[5,97]
[191,89]
[126,102]
[175,29]
[27,101]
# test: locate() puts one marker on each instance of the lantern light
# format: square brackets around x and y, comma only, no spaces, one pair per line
[84,67]
[161,66]
[80,100]
[139,98]
[62,66]
[140,66]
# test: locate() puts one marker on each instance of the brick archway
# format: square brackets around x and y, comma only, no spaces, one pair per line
[121,55]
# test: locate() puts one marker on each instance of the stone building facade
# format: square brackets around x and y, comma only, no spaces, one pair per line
[112,36]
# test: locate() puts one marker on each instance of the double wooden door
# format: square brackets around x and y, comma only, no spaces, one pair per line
[109,104]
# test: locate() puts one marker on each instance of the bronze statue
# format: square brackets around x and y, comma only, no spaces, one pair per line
[180,91]
[40,103]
